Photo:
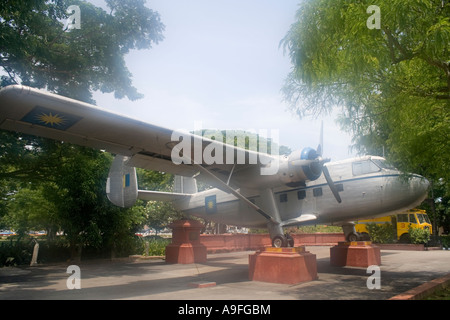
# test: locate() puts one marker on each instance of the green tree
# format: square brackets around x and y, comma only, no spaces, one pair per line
[154,180]
[28,209]
[27,164]
[391,84]
[159,214]
[36,50]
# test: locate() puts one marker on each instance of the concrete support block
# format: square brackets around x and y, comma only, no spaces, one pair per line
[283,265]
[186,247]
[355,254]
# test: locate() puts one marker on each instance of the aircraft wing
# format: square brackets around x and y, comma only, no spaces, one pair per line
[31,111]
[299,220]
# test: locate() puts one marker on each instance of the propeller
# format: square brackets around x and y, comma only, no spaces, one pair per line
[320,146]
[331,184]
[325,170]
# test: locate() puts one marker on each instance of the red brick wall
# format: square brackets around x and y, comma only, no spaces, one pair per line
[243,242]
[318,238]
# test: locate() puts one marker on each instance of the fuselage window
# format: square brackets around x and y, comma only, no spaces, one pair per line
[283,197]
[364,167]
[317,192]
[340,187]
[301,194]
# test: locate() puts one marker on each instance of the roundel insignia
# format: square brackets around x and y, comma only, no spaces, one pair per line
[210,204]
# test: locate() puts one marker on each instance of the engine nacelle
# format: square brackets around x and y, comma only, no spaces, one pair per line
[300,166]
[121,186]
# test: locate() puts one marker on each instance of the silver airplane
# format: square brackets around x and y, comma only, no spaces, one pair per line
[249,189]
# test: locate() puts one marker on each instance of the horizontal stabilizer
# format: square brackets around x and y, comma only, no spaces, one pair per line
[161,196]
[299,220]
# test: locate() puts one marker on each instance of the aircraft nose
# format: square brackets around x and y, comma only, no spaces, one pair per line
[400,194]
[426,184]
[420,186]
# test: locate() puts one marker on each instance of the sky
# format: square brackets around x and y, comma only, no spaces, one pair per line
[221,66]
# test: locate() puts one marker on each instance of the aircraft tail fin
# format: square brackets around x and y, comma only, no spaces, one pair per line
[185,185]
[121,186]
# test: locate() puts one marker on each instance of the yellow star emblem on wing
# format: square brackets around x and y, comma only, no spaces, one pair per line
[51,119]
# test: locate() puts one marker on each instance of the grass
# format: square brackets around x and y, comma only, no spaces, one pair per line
[442,294]
[317,228]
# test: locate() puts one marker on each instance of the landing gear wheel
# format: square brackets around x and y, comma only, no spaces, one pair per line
[352,237]
[290,241]
[279,241]
[364,236]
[405,238]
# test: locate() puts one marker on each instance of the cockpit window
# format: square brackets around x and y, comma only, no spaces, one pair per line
[383,164]
[364,167]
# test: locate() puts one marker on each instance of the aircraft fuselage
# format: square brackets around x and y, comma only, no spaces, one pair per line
[367,186]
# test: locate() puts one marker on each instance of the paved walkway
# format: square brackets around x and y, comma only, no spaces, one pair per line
[156,280]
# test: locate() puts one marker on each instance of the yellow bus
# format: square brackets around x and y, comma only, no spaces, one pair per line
[401,221]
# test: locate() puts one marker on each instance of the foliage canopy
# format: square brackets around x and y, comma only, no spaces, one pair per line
[54,185]
[36,49]
[391,84]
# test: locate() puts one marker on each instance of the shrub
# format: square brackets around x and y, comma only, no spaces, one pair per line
[418,235]
[445,240]
[15,252]
[381,233]
[153,246]
[53,250]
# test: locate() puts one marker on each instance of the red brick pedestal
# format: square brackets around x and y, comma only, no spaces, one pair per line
[283,265]
[355,254]
[186,247]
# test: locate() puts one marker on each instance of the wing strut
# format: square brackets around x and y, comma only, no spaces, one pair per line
[331,184]
[231,173]
[224,186]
